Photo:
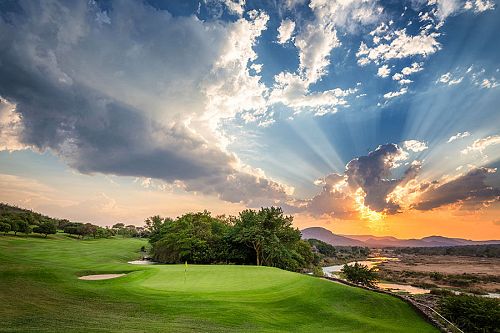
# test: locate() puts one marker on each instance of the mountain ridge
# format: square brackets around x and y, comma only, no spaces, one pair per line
[329,237]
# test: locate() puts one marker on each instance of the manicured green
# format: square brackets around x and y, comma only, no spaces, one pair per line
[39,291]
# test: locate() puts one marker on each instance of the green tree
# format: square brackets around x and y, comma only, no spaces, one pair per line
[14,225]
[4,227]
[46,228]
[24,227]
[270,234]
[360,274]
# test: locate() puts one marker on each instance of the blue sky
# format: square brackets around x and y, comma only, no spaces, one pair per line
[351,114]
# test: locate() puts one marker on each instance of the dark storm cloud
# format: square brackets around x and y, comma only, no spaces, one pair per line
[372,174]
[108,92]
[470,191]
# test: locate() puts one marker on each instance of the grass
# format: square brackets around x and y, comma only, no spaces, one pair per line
[39,291]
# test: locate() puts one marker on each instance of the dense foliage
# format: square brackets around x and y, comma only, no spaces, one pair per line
[329,254]
[360,274]
[471,313]
[488,251]
[264,237]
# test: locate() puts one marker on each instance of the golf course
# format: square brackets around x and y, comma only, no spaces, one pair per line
[40,291]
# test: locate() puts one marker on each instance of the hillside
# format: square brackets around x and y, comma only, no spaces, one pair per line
[329,237]
[44,294]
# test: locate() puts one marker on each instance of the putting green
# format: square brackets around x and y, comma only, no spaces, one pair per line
[41,292]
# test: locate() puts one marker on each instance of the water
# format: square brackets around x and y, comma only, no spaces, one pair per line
[370,262]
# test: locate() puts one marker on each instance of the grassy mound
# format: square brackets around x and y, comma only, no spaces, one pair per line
[40,292]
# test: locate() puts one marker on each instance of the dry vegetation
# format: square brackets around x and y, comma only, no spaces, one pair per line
[470,274]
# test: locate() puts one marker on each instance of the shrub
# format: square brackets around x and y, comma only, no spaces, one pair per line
[472,313]
[318,271]
[360,274]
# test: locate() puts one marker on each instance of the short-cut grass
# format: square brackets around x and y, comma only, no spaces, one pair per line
[39,291]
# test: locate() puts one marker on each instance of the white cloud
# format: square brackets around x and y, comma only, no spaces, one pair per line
[414,68]
[489,83]
[291,90]
[315,44]
[415,145]
[394,94]
[399,45]
[446,8]
[230,88]
[285,31]
[317,39]
[481,144]
[384,71]
[235,6]
[448,79]
[406,71]
[459,135]
[11,127]
[479,6]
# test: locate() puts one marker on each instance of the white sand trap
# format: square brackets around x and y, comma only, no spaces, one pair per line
[142,262]
[100,276]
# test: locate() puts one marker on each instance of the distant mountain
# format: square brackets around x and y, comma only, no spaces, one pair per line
[329,237]
[386,241]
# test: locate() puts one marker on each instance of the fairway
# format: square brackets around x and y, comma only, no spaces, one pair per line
[41,292]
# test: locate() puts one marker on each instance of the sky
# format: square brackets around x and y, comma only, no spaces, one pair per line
[363,117]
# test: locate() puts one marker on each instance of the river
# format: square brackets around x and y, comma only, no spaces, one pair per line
[333,271]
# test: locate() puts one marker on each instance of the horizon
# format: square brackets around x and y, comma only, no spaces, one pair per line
[363,118]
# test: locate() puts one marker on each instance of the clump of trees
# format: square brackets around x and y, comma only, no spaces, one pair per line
[360,274]
[472,313]
[264,237]
[46,228]
[329,255]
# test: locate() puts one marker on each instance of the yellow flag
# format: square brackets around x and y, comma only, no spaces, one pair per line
[186,265]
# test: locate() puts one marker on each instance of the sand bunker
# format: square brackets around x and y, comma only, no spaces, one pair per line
[100,276]
[142,262]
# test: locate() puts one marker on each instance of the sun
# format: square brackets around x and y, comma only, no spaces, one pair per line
[375,219]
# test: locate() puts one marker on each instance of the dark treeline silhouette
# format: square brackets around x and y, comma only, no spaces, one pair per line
[264,237]
[488,251]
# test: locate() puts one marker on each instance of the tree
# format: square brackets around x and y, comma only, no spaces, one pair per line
[46,228]
[360,274]
[4,227]
[24,227]
[273,239]
[154,225]
[14,226]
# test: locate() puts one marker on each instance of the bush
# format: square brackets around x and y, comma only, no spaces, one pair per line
[441,292]
[472,313]
[318,271]
[360,274]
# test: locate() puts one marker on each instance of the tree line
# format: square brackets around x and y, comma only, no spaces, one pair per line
[486,251]
[17,220]
[262,237]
